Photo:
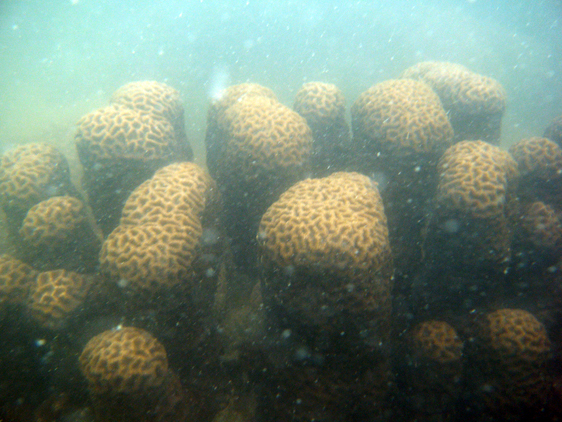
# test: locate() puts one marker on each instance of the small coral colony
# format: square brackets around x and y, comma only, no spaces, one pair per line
[404,268]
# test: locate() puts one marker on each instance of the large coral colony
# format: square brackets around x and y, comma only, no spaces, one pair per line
[406,268]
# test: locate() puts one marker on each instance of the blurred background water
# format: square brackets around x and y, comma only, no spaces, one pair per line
[62,59]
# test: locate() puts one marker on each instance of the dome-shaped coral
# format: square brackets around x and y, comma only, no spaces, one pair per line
[173,191]
[55,296]
[475,178]
[30,174]
[16,279]
[57,233]
[120,148]
[475,103]
[325,252]
[157,99]
[436,341]
[398,119]
[514,349]
[323,107]
[148,257]
[126,360]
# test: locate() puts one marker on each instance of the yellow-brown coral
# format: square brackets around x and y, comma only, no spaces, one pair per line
[55,296]
[127,360]
[30,174]
[323,107]
[539,225]
[476,178]
[265,138]
[400,118]
[175,191]
[437,341]
[16,278]
[325,250]
[474,103]
[53,221]
[539,158]
[515,336]
[319,103]
[157,99]
[148,257]
[117,132]
[336,223]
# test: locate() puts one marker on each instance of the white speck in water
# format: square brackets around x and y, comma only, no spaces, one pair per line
[123,283]
[286,334]
[40,342]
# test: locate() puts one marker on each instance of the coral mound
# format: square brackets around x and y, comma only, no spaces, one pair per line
[16,279]
[125,360]
[326,257]
[400,118]
[475,103]
[30,174]
[55,296]
[437,341]
[475,178]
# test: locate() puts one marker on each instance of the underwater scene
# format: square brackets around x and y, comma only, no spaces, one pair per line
[253,211]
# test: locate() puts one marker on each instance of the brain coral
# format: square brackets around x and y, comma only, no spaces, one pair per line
[539,158]
[513,357]
[400,118]
[324,246]
[437,341]
[117,132]
[156,99]
[539,225]
[174,191]
[554,131]
[53,221]
[475,103]
[265,137]
[475,178]
[217,125]
[16,279]
[148,257]
[515,336]
[30,174]
[128,360]
[323,107]
[320,103]
[55,296]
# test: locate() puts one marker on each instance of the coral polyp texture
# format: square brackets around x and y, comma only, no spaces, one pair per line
[149,257]
[325,250]
[554,131]
[323,107]
[174,191]
[436,341]
[118,132]
[399,119]
[540,164]
[126,360]
[57,233]
[515,350]
[475,178]
[433,370]
[16,279]
[122,145]
[475,103]
[56,296]
[156,99]
[30,174]
[539,225]
[265,137]
[475,200]
[217,125]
